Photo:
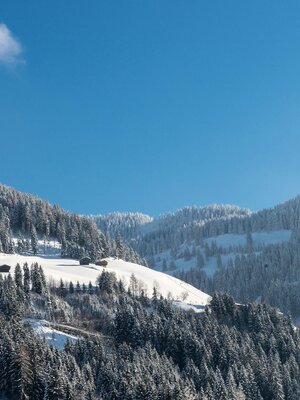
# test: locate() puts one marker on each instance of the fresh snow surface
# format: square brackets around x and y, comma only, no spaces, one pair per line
[209,268]
[210,265]
[189,307]
[70,270]
[55,338]
[236,240]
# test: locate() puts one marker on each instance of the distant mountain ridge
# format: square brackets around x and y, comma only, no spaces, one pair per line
[254,256]
[128,224]
[150,235]
[131,224]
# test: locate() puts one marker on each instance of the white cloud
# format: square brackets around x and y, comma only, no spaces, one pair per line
[10,48]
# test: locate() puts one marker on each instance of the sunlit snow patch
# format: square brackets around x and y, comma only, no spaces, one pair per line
[55,338]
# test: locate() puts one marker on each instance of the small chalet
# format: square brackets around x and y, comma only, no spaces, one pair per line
[4,268]
[85,261]
[101,263]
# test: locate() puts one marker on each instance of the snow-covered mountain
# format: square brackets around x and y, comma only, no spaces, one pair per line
[135,224]
[252,256]
[103,329]
[194,236]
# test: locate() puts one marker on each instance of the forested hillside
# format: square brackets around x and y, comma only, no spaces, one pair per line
[271,275]
[128,346]
[171,230]
[127,224]
[252,256]
[27,218]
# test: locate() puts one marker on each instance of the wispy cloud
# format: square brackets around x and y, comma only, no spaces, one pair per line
[10,48]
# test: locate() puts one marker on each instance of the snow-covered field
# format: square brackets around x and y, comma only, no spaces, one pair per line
[70,270]
[54,337]
[259,238]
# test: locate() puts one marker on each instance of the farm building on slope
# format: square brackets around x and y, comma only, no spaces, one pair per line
[85,261]
[101,263]
[4,268]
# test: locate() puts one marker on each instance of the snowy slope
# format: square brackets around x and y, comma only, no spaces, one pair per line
[54,337]
[70,270]
[259,238]
[231,243]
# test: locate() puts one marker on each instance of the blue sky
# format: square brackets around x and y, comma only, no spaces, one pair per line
[150,105]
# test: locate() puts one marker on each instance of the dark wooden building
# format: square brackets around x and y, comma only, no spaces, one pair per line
[85,261]
[101,263]
[4,268]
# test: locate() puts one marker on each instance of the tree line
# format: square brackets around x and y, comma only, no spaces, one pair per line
[28,219]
